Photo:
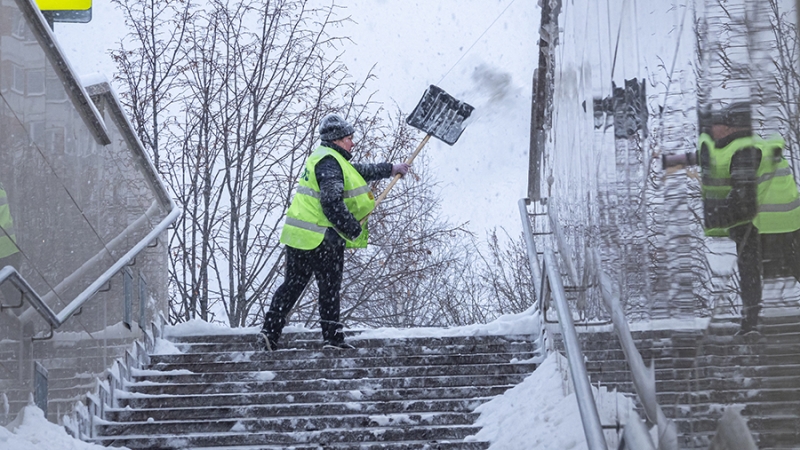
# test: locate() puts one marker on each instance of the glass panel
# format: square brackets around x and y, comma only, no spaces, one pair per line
[638,82]
[77,208]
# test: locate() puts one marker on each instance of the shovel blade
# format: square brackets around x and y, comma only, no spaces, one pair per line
[440,115]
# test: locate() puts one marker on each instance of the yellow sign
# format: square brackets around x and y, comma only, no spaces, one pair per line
[64,5]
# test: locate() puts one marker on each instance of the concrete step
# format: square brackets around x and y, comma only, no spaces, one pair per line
[319,437]
[222,391]
[376,347]
[195,374]
[326,360]
[134,400]
[407,406]
[287,424]
[322,384]
[407,445]
[296,340]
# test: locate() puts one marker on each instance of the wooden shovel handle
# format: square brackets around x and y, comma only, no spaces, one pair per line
[397,177]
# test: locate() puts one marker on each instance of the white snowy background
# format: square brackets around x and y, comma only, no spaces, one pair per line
[482,52]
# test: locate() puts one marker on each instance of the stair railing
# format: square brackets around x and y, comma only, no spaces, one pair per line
[587,407]
[540,341]
[548,284]
[55,320]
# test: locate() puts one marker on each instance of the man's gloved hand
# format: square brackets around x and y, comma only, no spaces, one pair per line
[401,168]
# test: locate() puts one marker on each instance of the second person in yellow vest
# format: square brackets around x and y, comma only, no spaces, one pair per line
[749,194]
[325,216]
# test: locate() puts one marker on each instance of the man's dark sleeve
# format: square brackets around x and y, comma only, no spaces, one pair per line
[372,172]
[331,188]
[743,199]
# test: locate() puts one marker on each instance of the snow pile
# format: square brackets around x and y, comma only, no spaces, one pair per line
[165,347]
[31,431]
[540,414]
[524,323]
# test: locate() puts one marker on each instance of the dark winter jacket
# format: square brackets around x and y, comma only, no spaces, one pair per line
[744,179]
[331,187]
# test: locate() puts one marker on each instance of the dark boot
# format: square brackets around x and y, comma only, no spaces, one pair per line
[265,342]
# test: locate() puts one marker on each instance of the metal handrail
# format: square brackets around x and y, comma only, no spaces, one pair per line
[592,427]
[530,245]
[549,283]
[54,319]
[561,243]
[536,273]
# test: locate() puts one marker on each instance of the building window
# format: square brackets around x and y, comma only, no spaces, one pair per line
[34,79]
[36,131]
[18,81]
[55,91]
[21,30]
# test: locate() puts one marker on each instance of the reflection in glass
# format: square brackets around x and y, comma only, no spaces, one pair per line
[71,205]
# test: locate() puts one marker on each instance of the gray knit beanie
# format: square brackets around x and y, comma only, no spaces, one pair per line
[333,127]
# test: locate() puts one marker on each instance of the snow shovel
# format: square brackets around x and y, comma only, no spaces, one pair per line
[438,114]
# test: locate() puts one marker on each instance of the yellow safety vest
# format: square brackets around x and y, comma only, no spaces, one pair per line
[306,224]
[8,240]
[778,205]
[778,199]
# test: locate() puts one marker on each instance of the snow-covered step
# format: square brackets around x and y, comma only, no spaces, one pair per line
[271,398]
[408,406]
[221,387]
[241,437]
[396,393]
[191,375]
[289,424]
[699,372]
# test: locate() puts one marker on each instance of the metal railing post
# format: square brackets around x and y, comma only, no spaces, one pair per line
[533,258]
[592,427]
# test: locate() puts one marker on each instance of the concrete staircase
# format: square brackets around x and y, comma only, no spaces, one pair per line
[416,393]
[699,373]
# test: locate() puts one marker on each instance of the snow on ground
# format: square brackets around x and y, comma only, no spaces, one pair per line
[523,323]
[31,431]
[542,415]
[541,410]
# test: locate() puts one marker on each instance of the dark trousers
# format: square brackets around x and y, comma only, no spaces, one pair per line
[749,261]
[325,263]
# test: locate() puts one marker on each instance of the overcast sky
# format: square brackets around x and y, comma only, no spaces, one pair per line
[480,51]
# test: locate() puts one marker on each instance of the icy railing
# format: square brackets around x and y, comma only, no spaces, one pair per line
[86,204]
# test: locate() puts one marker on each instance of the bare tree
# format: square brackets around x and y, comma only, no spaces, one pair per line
[232,91]
[149,68]
[227,95]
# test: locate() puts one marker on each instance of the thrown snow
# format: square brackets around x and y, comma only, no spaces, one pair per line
[31,431]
